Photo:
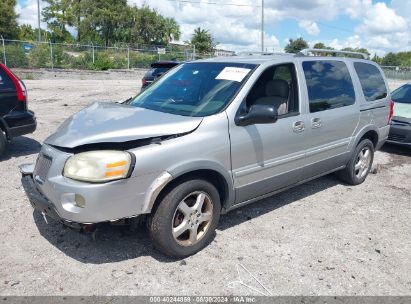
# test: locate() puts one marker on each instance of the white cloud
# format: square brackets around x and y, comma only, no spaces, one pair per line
[310,26]
[381,27]
[379,19]
[28,13]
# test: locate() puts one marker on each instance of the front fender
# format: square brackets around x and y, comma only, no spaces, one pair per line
[196,165]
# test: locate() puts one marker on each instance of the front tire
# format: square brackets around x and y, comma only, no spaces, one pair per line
[360,164]
[186,218]
[3,142]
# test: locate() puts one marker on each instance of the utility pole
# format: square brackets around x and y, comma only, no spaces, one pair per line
[38,19]
[262,26]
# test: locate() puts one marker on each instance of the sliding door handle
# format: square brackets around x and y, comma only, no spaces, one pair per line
[316,123]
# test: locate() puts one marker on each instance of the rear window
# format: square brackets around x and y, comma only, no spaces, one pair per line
[329,85]
[158,71]
[5,81]
[371,80]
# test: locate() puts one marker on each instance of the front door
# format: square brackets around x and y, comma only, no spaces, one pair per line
[268,157]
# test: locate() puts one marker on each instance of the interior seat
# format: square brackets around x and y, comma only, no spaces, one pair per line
[277,93]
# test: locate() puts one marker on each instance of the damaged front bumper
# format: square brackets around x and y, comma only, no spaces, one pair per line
[37,200]
[73,201]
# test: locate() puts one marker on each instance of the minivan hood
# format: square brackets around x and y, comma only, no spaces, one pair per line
[117,123]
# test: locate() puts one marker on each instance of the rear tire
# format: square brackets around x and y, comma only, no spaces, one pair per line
[359,165]
[186,218]
[3,142]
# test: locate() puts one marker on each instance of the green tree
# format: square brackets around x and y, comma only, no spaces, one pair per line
[358,50]
[391,59]
[27,33]
[377,59]
[171,29]
[295,46]
[58,17]
[103,20]
[8,19]
[320,45]
[203,41]
[404,59]
[147,26]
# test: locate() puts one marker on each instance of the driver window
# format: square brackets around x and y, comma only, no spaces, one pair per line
[276,86]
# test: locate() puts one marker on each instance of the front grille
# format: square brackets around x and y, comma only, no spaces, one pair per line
[396,137]
[42,168]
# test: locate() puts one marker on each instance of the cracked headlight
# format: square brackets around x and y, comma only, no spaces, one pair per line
[98,166]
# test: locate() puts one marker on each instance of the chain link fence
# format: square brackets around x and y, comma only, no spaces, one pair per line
[26,54]
[396,72]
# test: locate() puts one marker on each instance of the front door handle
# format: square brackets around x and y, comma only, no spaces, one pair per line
[298,126]
[316,123]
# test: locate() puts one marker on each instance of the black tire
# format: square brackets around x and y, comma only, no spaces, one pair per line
[3,142]
[354,176]
[168,216]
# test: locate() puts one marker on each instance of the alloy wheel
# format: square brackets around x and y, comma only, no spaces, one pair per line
[192,218]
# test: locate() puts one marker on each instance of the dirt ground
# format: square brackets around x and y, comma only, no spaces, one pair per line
[322,238]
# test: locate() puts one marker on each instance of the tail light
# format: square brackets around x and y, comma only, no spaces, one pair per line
[21,90]
[143,82]
[391,111]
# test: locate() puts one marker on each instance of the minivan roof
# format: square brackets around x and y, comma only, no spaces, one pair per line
[261,58]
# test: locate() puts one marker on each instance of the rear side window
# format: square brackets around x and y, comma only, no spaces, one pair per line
[371,80]
[5,81]
[329,85]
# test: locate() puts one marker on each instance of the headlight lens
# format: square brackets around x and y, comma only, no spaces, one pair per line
[98,166]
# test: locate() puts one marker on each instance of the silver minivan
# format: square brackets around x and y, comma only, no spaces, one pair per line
[210,136]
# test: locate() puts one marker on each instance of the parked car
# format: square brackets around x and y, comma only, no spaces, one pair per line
[208,137]
[400,131]
[156,71]
[15,118]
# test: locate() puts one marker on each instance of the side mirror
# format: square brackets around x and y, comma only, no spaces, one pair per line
[258,114]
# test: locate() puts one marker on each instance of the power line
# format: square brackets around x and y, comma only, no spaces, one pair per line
[214,3]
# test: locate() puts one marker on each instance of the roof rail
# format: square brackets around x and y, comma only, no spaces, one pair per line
[335,53]
[254,53]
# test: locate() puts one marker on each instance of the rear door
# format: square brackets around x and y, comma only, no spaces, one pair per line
[333,114]
[375,92]
[8,94]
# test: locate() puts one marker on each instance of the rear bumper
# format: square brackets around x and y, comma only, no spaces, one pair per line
[20,123]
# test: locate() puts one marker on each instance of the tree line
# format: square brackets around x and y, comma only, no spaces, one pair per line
[400,59]
[102,22]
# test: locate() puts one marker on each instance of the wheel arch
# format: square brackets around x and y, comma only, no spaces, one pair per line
[369,132]
[207,171]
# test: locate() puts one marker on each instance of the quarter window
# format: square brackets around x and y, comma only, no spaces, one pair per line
[371,80]
[329,85]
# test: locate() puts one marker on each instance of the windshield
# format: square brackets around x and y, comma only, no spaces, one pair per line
[195,89]
[402,94]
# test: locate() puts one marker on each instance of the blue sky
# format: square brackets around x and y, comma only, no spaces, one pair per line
[380,26]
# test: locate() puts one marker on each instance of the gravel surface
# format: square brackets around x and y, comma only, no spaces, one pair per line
[322,238]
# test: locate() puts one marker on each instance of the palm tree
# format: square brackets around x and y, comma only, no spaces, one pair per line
[172,29]
[203,41]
